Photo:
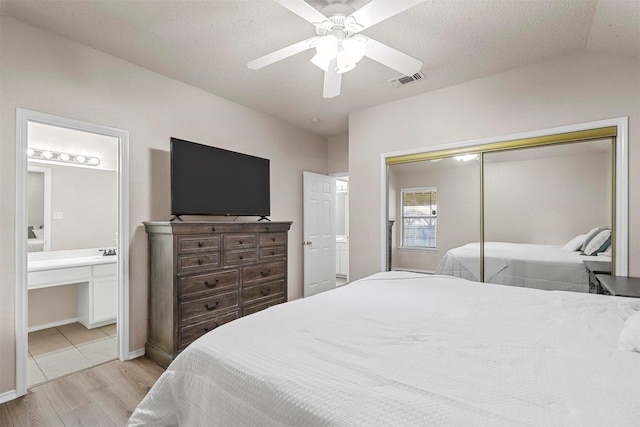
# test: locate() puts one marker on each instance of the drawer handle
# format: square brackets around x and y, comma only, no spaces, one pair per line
[265,293]
[241,256]
[241,241]
[273,253]
[211,285]
[212,306]
[200,261]
[208,329]
[200,244]
[213,229]
[273,239]
[265,274]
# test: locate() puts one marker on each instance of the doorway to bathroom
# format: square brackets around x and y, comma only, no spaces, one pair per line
[73,281]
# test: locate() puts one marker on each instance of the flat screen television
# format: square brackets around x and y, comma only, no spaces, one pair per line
[207,180]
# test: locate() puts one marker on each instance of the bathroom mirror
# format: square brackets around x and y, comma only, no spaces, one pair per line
[71,204]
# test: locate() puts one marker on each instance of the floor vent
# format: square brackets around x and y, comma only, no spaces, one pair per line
[404,80]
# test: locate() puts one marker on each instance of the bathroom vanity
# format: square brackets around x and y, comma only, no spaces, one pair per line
[96,277]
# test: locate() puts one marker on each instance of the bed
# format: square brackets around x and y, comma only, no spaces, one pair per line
[401,348]
[518,264]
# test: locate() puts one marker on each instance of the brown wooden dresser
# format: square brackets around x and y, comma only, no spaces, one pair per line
[205,274]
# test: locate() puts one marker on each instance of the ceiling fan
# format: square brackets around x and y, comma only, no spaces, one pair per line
[338,42]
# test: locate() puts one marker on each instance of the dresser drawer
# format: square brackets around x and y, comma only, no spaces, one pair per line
[239,241]
[260,292]
[239,256]
[263,272]
[198,262]
[191,286]
[267,239]
[254,308]
[188,334]
[190,244]
[273,252]
[209,306]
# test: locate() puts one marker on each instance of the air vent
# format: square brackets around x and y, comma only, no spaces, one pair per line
[405,80]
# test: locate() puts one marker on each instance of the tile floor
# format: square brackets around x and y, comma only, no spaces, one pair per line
[55,352]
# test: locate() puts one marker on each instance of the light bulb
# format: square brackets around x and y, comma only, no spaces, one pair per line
[47,154]
[94,161]
[64,156]
[326,50]
[30,152]
[352,50]
[81,159]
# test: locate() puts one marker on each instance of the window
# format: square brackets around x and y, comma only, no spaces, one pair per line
[419,217]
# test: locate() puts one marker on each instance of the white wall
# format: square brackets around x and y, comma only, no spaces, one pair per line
[560,92]
[88,200]
[547,201]
[46,73]
[338,153]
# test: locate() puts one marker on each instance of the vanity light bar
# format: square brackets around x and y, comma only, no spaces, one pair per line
[55,156]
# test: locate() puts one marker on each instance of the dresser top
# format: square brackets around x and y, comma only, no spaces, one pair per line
[207,227]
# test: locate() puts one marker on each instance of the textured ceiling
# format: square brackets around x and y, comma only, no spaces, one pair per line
[207,43]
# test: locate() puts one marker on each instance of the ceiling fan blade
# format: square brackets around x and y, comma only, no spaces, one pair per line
[304,10]
[280,54]
[378,10]
[332,81]
[392,58]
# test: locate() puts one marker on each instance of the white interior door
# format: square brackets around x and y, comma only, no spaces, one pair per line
[319,233]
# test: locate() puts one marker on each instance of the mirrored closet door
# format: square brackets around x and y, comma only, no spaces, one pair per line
[469,212]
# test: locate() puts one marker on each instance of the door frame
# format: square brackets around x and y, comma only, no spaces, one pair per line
[23,117]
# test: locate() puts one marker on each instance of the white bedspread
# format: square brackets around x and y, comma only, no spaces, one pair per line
[519,264]
[403,349]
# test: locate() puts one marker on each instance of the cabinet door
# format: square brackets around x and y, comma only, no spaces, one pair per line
[104,299]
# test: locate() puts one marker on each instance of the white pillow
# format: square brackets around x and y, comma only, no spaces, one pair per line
[589,235]
[575,243]
[629,338]
[599,243]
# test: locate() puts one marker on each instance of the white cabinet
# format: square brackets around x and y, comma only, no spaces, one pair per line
[342,259]
[98,298]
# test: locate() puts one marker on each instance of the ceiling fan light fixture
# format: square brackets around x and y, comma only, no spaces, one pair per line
[326,50]
[352,50]
[327,46]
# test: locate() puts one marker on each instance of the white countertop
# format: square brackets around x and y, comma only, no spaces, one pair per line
[39,261]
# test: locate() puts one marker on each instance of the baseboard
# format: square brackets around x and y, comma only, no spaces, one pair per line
[135,354]
[52,324]
[8,396]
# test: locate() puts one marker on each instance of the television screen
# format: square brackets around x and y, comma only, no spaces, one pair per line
[207,180]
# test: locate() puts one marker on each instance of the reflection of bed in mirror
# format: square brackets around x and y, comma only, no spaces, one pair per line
[35,242]
[545,267]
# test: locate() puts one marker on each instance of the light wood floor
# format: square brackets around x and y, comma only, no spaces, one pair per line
[103,395]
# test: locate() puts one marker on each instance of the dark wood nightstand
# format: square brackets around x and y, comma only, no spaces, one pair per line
[596,267]
[619,286]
